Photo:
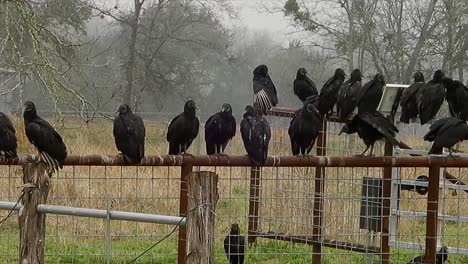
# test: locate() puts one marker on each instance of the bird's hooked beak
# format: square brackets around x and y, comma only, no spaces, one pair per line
[116,114]
[224,109]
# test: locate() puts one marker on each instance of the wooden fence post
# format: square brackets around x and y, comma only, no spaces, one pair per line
[182,240]
[31,223]
[202,199]
[254,203]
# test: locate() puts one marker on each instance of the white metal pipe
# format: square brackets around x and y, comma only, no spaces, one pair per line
[10,206]
[96,213]
[114,215]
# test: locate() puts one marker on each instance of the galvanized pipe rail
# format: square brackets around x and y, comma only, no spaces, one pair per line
[97,213]
[244,161]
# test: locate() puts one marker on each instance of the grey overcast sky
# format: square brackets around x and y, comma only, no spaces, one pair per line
[253,16]
[250,12]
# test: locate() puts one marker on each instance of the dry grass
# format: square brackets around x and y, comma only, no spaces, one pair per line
[286,193]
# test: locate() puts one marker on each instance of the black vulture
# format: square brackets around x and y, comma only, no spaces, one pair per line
[304,129]
[410,98]
[371,94]
[304,87]
[129,134]
[264,90]
[457,98]
[219,130]
[348,95]
[432,97]
[256,134]
[49,144]
[183,129]
[441,257]
[8,143]
[370,128]
[446,132]
[234,245]
[329,92]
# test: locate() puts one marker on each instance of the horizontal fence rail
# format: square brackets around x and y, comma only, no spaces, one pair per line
[244,161]
[97,213]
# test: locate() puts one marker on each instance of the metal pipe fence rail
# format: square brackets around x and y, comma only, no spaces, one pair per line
[317,238]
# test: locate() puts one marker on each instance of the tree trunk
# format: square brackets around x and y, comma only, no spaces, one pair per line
[426,30]
[202,199]
[32,224]
[350,43]
[448,56]
[130,65]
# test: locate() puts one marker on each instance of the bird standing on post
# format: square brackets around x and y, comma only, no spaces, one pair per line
[49,144]
[329,92]
[371,94]
[129,134]
[304,129]
[410,98]
[8,142]
[183,129]
[348,95]
[304,87]
[446,132]
[265,95]
[220,128]
[234,245]
[371,127]
[432,97]
[256,134]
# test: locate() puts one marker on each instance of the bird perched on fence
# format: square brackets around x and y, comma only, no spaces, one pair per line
[457,98]
[52,150]
[265,95]
[129,134]
[410,98]
[348,95]
[446,132]
[234,245]
[371,94]
[220,128]
[441,257]
[370,128]
[432,97]
[256,134]
[8,142]
[304,129]
[329,92]
[304,87]
[183,129]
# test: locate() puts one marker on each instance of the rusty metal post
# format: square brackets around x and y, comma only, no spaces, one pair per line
[254,203]
[386,199]
[432,213]
[32,224]
[318,197]
[183,201]
[203,196]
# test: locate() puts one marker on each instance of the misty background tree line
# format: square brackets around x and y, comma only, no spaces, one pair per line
[90,56]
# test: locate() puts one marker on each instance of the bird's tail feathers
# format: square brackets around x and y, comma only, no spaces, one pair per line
[52,164]
[435,150]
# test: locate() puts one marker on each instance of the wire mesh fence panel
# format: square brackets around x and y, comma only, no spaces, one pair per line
[10,182]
